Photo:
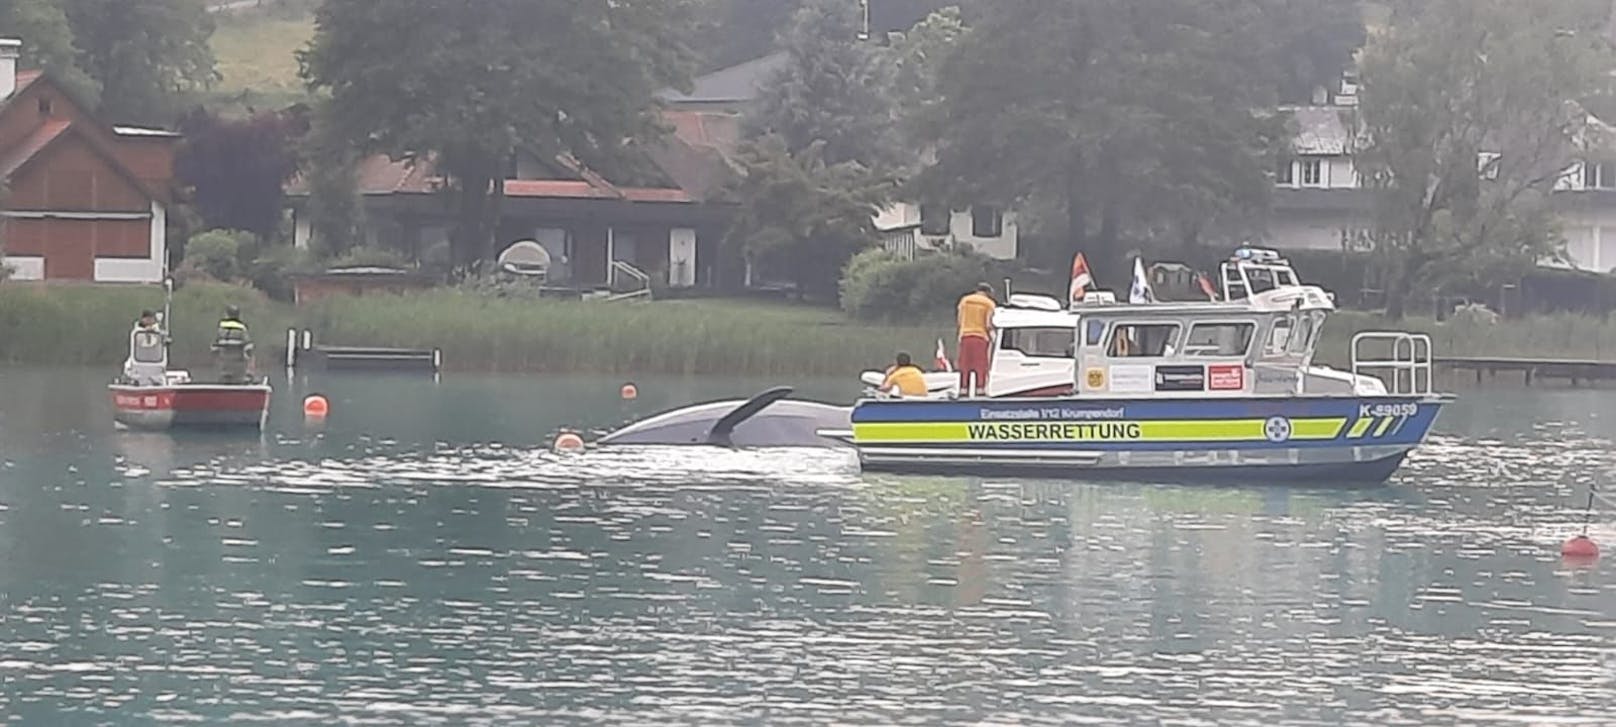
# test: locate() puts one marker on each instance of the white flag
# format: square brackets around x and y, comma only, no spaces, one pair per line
[1140,292]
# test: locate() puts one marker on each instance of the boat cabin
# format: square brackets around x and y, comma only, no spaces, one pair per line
[1252,270]
[147,364]
[1261,346]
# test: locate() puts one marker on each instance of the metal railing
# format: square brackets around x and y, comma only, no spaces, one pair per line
[1405,356]
[640,280]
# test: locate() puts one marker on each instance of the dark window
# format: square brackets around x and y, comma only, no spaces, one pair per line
[1135,340]
[44,106]
[1040,342]
[986,221]
[1286,174]
[1219,339]
[933,219]
[1598,175]
[1312,173]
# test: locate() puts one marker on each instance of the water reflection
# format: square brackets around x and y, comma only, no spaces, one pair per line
[410,565]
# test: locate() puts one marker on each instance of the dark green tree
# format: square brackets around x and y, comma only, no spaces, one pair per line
[834,90]
[1472,114]
[467,83]
[144,54]
[801,217]
[47,43]
[1130,118]
[1311,43]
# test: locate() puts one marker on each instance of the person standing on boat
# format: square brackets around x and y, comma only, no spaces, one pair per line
[232,345]
[975,337]
[905,378]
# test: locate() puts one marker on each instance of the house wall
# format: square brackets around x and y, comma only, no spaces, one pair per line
[1590,236]
[898,221]
[1001,247]
[1336,172]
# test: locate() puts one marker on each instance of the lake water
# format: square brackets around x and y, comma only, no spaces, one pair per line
[423,559]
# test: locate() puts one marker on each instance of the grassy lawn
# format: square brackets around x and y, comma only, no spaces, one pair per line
[255,52]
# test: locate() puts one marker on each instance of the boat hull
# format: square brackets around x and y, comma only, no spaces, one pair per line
[190,405]
[1310,440]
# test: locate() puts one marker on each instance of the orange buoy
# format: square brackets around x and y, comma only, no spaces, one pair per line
[568,442]
[630,392]
[1581,547]
[316,406]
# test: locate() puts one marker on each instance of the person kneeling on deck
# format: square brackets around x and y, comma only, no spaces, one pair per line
[905,378]
[975,336]
[232,347]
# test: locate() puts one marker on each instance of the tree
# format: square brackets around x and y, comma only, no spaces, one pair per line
[833,91]
[1311,43]
[238,166]
[917,58]
[48,43]
[1129,117]
[801,216]
[465,84]
[1471,117]
[144,54]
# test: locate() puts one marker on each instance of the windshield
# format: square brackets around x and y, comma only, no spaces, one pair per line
[148,347]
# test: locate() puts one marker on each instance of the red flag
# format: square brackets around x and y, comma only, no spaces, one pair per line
[1081,279]
[940,363]
[1207,287]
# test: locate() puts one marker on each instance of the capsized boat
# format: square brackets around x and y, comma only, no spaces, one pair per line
[148,395]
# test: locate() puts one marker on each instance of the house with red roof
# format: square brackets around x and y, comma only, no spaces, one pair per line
[596,233]
[85,200]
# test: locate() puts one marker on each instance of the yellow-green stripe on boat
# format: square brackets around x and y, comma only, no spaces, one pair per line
[1189,430]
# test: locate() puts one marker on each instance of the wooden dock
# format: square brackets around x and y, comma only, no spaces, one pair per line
[302,352]
[1576,371]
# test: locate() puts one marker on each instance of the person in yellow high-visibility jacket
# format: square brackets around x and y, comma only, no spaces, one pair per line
[905,378]
[233,347]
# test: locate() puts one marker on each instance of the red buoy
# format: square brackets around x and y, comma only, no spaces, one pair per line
[1580,547]
[630,392]
[316,407]
[569,443]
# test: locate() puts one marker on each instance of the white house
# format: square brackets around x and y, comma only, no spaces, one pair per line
[908,228]
[1319,202]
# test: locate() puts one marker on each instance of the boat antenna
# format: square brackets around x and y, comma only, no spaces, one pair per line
[168,305]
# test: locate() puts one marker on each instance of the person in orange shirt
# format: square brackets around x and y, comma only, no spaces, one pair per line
[906,377]
[975,336]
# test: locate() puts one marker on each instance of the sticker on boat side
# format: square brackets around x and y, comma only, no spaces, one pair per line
[1132,379]
[1226,377]
[1180,378]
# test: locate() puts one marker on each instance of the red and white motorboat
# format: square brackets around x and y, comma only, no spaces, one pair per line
[148,395]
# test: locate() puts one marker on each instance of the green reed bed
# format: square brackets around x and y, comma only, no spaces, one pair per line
[478,332]
[87,325]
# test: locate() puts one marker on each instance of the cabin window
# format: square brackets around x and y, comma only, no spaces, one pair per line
[986,221]
[1038,342]
[1142,340]
[1096,331]
[1302,340]
[1279,337]
[1225,340]
[148,347]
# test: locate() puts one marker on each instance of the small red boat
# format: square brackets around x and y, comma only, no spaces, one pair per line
[147,395]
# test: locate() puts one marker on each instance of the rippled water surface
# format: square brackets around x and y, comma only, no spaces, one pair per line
[422,559]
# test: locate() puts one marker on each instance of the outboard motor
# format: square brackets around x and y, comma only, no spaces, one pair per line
[147,364]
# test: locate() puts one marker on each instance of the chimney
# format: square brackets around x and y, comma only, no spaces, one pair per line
[10,48]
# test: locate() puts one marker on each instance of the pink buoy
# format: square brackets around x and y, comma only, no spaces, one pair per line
[569,442]
[630,392]
[1580,547]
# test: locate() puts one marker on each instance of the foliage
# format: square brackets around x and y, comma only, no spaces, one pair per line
[468,86]
[143,53]
[47,43]
[217,253]
[1313,43]
[729,32]
[238,166]
[833,90]
[1450,81]
[366,256]
[880,286]
[336,211]
[800,217]
[918,55]
[1139,118]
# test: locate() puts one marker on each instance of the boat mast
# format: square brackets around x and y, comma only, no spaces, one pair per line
[168,305]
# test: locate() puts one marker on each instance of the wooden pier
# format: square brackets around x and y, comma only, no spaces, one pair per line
[301,352]
[1575,371]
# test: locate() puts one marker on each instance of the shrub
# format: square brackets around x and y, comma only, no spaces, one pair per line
[877,285]
[217,253]
[367,256]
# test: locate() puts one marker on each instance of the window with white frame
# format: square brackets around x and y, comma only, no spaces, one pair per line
[1285,175]
[1487,164]
[1598,175]
[986,221]
[1312,172]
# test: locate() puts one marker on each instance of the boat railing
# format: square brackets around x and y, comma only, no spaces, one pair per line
[1404,357]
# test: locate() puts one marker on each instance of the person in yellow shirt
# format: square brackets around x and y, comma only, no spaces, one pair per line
[905,377]
[975,337]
